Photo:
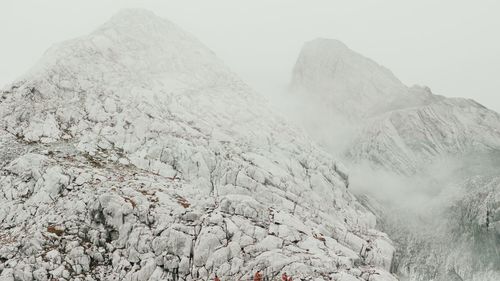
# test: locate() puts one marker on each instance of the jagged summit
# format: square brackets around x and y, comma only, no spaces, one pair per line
[133,17]
[135,45]
[135,56]
[331,52]
[327,43]
[353,84]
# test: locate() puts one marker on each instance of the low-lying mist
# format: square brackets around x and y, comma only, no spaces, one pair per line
[436,217]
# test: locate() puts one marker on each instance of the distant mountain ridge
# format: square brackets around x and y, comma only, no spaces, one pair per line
[399,127]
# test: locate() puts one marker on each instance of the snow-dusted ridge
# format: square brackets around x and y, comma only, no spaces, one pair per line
[133,153]
[135,45]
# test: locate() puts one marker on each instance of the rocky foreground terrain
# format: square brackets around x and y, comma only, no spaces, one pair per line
[133,153]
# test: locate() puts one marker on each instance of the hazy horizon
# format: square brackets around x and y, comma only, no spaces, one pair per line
[449,46]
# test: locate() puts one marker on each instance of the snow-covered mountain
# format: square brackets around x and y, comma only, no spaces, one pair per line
[349,83]
[133,153]
[401,128]
[403,145]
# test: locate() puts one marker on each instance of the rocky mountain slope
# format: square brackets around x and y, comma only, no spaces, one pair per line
[423,163]
[133,153]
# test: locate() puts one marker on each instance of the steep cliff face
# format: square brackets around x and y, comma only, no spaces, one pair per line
[408,143]
[133,153]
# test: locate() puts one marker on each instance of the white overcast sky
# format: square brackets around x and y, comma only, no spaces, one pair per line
[453,46]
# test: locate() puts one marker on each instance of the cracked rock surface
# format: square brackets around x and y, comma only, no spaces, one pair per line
[133,153]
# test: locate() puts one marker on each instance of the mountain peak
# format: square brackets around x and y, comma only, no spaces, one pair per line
[140,23]
[134,45]
[135,13]
[327,43]
[327,69]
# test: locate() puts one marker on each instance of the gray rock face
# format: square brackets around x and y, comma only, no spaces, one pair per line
[133,153]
